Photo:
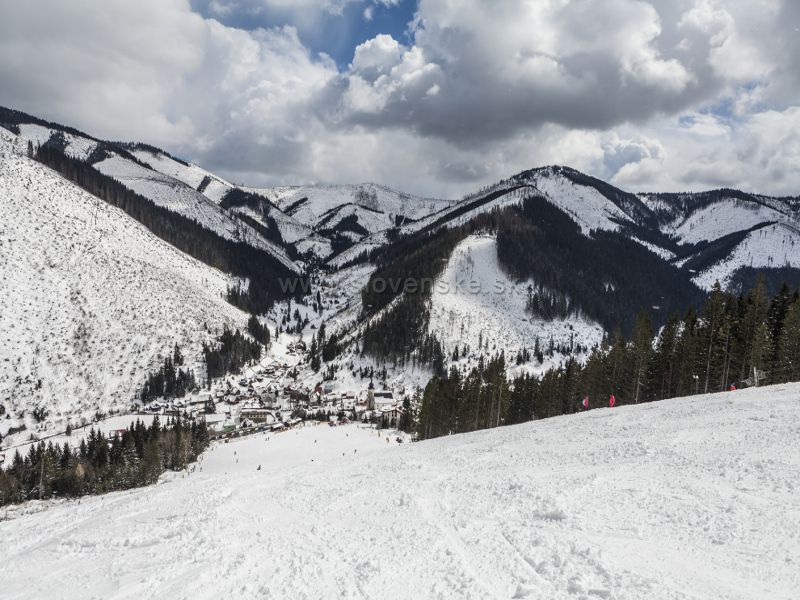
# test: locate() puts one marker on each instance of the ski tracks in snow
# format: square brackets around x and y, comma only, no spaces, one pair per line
[684,499]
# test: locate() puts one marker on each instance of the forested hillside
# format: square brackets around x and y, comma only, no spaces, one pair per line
[734,340]
[604,276]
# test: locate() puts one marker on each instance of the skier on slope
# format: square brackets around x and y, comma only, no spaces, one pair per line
[612,401]
[585,403]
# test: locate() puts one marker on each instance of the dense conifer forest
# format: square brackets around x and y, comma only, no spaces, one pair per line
[735,340]
[132,458]
[539,241]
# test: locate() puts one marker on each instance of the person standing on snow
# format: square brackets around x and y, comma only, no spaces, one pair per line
[612,401]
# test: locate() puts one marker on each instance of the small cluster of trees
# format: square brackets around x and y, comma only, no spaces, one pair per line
[170,381]
[732,337]
[292,322]
[318,342]
[132,458]
[453,403]
[259,331]
[232,351]
[548,305]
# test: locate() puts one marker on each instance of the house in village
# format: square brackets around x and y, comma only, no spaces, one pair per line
[202,402]
[383,398]
[257,415]
[389,416]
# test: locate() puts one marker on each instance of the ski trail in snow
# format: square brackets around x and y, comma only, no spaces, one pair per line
[682,499]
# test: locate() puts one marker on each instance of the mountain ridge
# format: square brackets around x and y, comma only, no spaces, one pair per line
[579,257]
[323,221]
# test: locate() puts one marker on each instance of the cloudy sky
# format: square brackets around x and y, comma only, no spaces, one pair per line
[431,96]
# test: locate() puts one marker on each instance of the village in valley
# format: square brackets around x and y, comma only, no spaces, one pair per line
[270,396]
[279,391]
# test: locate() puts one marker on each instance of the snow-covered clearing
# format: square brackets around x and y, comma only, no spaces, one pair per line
[691,498]
[475,301]
[190,174]
[75,146]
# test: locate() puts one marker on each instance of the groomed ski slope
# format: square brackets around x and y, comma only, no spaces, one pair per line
[690,498]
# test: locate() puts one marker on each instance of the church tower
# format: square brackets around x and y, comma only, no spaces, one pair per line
[371,396]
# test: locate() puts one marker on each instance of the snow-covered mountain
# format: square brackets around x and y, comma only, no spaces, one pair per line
[711,232]
[376,207]
[711,235]
[685,498]
[321,221]
[575,257]
[577,242]
[727,231]
[90,300]
[162,188]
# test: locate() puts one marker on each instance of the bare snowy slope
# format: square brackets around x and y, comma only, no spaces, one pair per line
[773,245]
[211,185]
[720,233]
[577,196]
[184,200]
[89,298]
[171,187]
[683,499]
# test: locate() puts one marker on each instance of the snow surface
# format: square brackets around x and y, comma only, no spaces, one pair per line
[292,231]
[682,499]
[76,146]
[657,250]
[170,184]
[475,300]
[89,298]
[192,175]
